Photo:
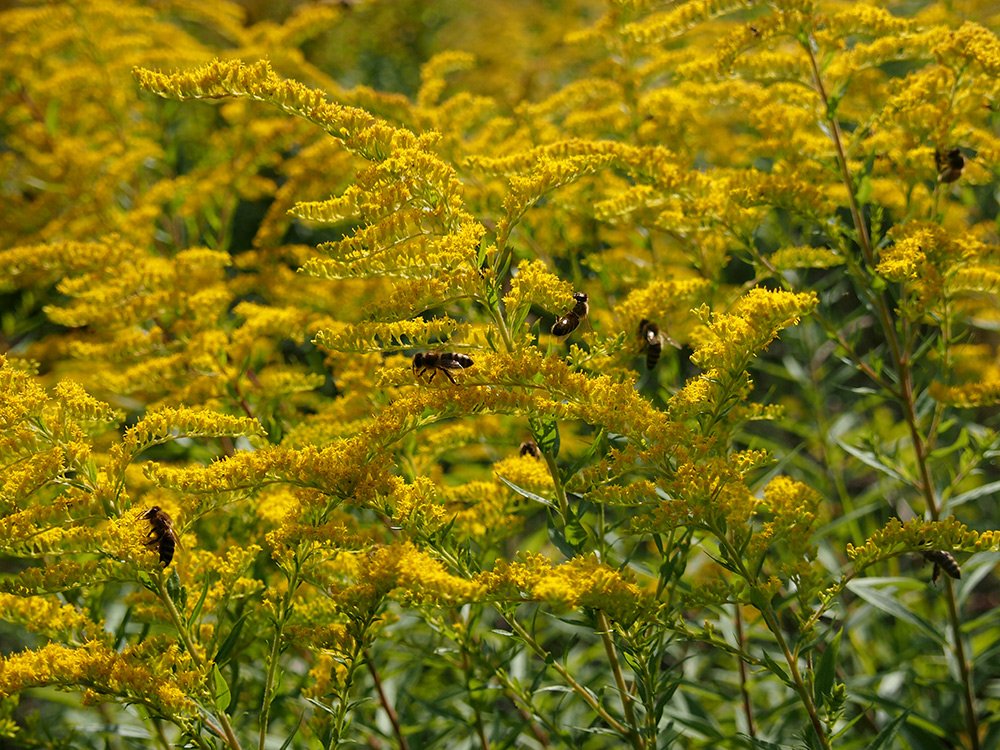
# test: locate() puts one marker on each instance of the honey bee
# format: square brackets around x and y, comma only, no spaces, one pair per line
[530,448]
[942,561]
[949,165]
[566,324]
[439,362]
[162,531]
[652,342]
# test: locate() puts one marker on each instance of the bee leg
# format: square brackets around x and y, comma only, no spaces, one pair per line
[433,373]
[450,377]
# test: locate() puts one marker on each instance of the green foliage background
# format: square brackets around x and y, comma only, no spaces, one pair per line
[212,283]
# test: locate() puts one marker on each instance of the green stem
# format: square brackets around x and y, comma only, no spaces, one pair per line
[501,325]
[397,730]
[774,626]
[272,661]
[901,359]
[477,714]
[626,697]
[227,728]
[357,653]
[744,692]
[475,652]
[964,667]
[161,736]
[550,462]
[563,672]
[800,685]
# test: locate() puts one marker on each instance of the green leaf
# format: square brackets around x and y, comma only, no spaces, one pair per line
[827,669]
[870,459]
[175,590]
[558,536]
[960,443]
[759,744]
[222,693]
[864,192]
[974,494]
[597,445]
[869,591]
[518,316]
[288,740]
[777,669]
[120,634]
[546,435]
[147,582]
[757,597]
[526,493]
[576,533]
[222,656]
[196,612]
[887,735]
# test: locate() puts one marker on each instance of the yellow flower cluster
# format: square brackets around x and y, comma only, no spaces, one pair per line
[170,424]
[389,336]
[359,582]
[731,339]
[197,262]
[968,395]
[327,676]
[20,396]
[416,505]
[481,510]
[804,257]
[907,258]
[580,582]
[100,668]
[915,535]
[48,617]
[789,514]
[359,129]
[533,284]
[525,471]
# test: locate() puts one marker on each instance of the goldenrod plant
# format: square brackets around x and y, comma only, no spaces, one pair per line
[582,374]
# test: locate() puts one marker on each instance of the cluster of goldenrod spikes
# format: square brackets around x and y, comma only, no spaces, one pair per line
[897,537]
[697,164]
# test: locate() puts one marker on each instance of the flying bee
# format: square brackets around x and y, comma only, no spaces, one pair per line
[439,362]
[530,448]
[949,165]
[566,324]
[652,342]
[162,531]
[942,561]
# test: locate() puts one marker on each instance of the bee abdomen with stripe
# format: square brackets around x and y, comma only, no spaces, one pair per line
[566,324]
[942,561]
[436,362]
[652,342]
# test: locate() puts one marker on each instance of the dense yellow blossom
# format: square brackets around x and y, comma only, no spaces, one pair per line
[525,471]
[968,395]
[533,283]
[213,307]
[583,581]
[102,669]
[752,323]
[47,617]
